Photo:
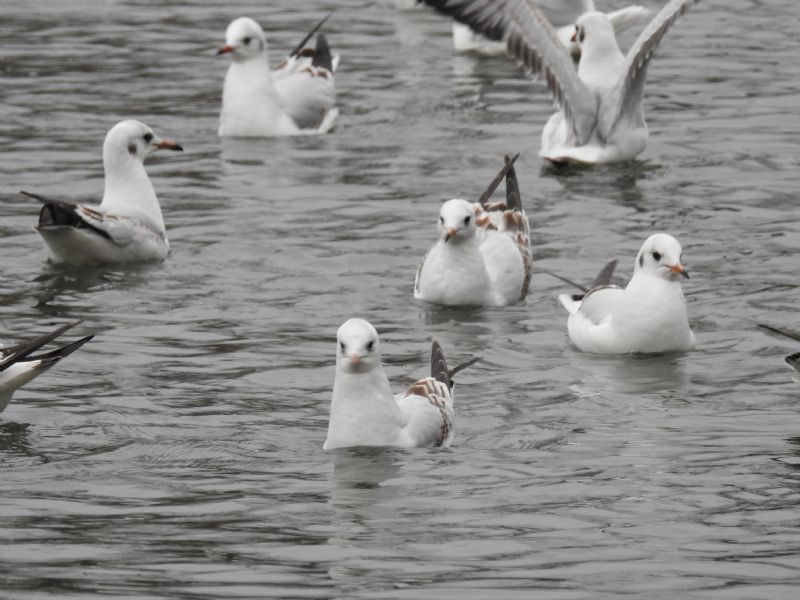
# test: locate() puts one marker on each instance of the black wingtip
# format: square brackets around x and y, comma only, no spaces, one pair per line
[509,165]
[322,55]
[24,350]
[53,357]
[794,335]
[309,35]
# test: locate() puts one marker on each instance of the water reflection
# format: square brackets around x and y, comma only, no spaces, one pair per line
[359,476]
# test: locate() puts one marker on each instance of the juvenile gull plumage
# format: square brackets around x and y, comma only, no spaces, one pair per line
[483,255]
[298,97]
[364,412]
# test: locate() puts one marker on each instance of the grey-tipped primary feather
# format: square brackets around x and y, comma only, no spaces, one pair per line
[605,275]
[439,369]
[790,333]
[50,358]
[498,178]
[309,35]
[22,351]
[533,42]
[451,373]
[629,89]
[513,198]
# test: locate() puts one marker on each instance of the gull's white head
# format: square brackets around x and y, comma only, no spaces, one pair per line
[456,221]
[660,256]
[594,33]
[357,347]
[132,140]
[244,39]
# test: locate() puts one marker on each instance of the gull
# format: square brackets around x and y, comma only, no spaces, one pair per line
[364,412]
[601,117]
[127,226]
[647,316]
[18,364]
[483,255]
[298,97]
[793,360]
[562,14]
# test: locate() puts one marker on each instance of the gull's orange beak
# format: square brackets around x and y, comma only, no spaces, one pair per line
[169,145]
[451,231]
[355,359]
[678,268]
[227,48]
[574,37]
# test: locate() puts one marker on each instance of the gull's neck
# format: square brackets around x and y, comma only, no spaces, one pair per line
[249,92]
[601,63]
[129,192]
[363,410]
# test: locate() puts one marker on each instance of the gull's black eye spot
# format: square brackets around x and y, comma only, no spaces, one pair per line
[371,345]
[466,220]
[582,35]
[148,137]
[441,220]
[656,255]
[341,345]
[247,40]
[132,148]
[641,259]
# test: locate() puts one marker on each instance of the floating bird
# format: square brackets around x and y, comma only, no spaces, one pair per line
[297,97]
[18,364]
[601,117]
[793,360]
[648,315]
[562,14]
[128,225]
[364,412]
[483,256]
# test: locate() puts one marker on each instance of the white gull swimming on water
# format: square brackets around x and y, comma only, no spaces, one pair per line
[647,316]
[127,226]
[298,97]
[364,412]
[19,364]
[483,255]
[601,117]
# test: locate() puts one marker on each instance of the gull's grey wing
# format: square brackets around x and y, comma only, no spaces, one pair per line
[533,42]
[14,354]
[487,193]
[600,302]
[299,48]
[627,94]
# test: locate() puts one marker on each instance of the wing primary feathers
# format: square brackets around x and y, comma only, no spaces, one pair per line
[582,288]
[496,181]
[22,351]
[322,55]
[56,213]
[438,364]
[513,198]
[795,335]
[50,358]
[309,35]
[451,373]
[605,275]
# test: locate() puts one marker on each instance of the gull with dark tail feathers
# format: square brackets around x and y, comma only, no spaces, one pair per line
[19,364]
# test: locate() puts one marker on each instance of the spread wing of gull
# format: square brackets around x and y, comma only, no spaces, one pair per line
[533,42]
[627,94]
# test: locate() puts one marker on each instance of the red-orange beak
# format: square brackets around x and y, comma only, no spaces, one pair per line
[227,48]
[678,268]
[355,359]
[169,145]
[574,37]
[451,231]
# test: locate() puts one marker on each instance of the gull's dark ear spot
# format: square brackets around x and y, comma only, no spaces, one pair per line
[132,149]
[641,259]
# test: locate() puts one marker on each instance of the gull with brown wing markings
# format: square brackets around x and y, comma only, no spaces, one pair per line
[364,412]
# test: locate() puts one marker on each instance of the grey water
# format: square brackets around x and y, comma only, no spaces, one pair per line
[179,454]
